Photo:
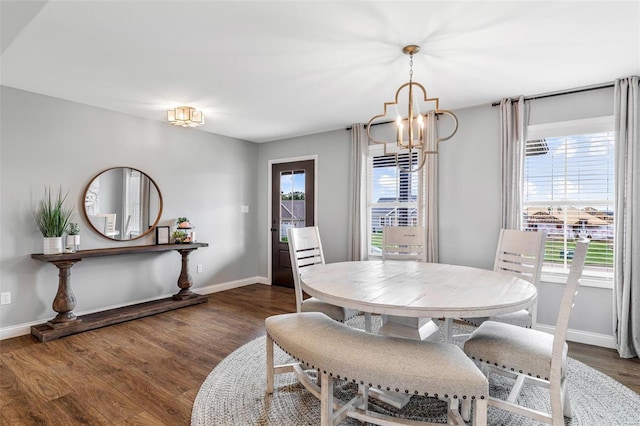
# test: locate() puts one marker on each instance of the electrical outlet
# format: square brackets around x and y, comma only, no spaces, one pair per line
[5,298]
[199,268]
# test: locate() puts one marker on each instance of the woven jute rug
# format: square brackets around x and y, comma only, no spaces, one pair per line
[234,394]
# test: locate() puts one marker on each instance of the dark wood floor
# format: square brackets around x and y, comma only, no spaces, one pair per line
[148,371]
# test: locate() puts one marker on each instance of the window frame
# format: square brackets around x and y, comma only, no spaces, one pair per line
[417,204]
[600,279]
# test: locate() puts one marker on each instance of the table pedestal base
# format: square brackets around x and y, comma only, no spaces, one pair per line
[394,399]
[409,328]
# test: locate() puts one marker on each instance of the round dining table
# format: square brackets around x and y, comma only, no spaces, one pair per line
[408,291]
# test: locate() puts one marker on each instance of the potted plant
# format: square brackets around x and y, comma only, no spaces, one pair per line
[185,226]
[73,237]
[52,218]
[183,222]
[179,236]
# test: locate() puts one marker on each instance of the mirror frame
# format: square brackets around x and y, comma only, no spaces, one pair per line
[151,227]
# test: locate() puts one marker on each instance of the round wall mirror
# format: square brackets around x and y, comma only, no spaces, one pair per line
[122,203]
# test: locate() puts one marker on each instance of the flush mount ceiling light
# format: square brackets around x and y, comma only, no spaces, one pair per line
[411,133]
[185,116]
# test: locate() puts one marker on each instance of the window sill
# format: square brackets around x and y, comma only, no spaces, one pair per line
[585,281]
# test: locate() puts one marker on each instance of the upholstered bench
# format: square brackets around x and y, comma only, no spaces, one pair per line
[387,363]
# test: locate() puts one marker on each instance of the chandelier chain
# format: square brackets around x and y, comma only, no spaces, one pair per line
[410,68]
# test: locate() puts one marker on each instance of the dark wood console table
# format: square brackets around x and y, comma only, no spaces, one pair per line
[67,323]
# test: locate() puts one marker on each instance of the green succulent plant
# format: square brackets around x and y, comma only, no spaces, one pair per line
[73,229]
[179,236]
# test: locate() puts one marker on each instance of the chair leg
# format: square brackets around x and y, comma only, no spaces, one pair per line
[364,391]
[270,370]
[557,409]
[480,412]
[367,322]
[566,400]
[326,400]
[465,409]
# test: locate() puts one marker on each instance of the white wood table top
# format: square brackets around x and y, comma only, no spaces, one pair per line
[417,289]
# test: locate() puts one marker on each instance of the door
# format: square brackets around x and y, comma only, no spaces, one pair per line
[292,204]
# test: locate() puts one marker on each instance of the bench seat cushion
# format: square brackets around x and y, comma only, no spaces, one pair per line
[385,362]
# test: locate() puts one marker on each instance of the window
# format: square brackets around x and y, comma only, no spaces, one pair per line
[569,191]
[292,201]
[393,196]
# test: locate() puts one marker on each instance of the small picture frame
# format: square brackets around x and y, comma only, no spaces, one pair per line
[162,235]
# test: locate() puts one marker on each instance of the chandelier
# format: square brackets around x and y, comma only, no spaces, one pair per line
[185,116]
[411,130]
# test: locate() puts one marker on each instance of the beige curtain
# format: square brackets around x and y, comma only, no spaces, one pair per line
[430,190]
[626,287]
[358,203]
[512,147]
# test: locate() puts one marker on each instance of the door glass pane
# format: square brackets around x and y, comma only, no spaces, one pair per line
[292,201]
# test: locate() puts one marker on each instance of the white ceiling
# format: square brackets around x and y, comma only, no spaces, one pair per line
[266,70]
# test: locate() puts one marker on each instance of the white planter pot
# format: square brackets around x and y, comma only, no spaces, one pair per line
[52,245]
[73,243]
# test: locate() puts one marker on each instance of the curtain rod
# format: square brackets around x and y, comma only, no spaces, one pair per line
[562,92]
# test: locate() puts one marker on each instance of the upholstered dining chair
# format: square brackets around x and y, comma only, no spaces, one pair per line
[403,243]
[531,356]
[519,253]
[406,243]
[305,249]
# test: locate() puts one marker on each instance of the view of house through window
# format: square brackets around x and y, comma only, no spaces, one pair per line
[292,201]
[569,191]
[393,196]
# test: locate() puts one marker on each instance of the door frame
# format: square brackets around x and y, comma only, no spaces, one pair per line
[268,226]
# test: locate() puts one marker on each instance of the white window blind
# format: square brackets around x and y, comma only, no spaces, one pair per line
[569,192]
[393,196]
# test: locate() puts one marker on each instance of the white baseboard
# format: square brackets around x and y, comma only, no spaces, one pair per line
[586,337]
[214,288]
[25,328]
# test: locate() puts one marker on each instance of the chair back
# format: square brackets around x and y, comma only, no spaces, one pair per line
[305,249]
[403,243]
[110,223]
[566,304]
[520,253]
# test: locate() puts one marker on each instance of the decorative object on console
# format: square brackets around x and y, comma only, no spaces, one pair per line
[73,238]
[411,135]
[162,235]
[52,218]
[184,233]
[183,222]
[185,116]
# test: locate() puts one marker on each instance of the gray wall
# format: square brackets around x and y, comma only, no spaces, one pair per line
[469,172]
[52,142]
[332,199]
[47,141]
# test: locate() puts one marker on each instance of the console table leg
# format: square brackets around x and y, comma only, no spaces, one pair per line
[65,300]
[185,281]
